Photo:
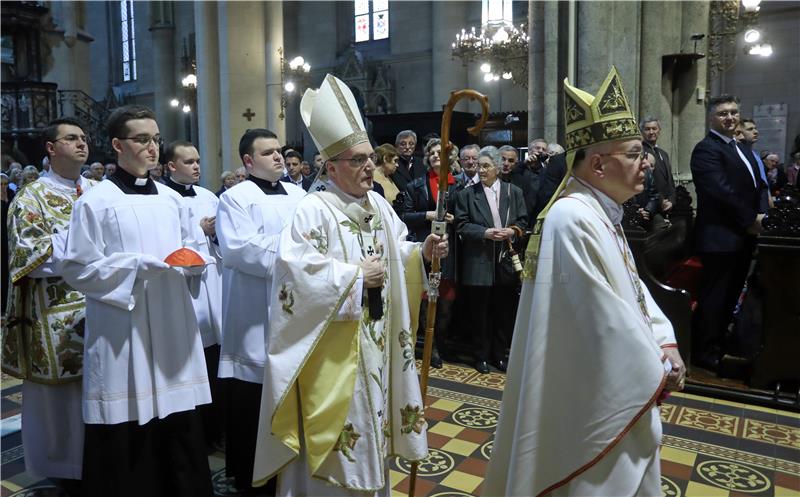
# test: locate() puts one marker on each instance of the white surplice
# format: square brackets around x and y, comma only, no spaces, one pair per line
[206,288]
[578,415]
[249,223]
[379,413]
[143,353]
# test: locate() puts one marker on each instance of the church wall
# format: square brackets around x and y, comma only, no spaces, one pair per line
[100,70]
[771,80]
[411,41]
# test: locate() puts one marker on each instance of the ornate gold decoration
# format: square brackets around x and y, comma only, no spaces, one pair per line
[437,463]
[708,421]
[728,18]
[479,417]
[786,436]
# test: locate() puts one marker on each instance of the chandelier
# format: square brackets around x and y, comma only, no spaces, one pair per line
[728,19]
[499,47]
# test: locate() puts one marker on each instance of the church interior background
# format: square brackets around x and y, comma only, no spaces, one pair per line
[211,70]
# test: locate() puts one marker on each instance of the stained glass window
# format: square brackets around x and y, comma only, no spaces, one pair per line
[128,40]
[371,20]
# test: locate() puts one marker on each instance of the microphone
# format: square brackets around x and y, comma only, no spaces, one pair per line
[375,303]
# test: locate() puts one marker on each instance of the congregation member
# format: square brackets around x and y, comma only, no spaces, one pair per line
[98,171]
[143,354]
[729,213]
[417,212]
[793,169]
[592,352]
[43,336]
[157,173]
[385,166]
[469,165]
[110,168]
[776,178]
[294,172]
[228,179]
[649,200]
[341,393]
[409,166]
[489,216]
[29,175]
[661,168]
[250,218]
[182,160]
[241,174]
[508,155]
[747,133]
[525,175]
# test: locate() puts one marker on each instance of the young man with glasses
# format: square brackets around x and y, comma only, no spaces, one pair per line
[592,351]
[729,191]
[250,218]
[43,341]
[145,370]
[341,392]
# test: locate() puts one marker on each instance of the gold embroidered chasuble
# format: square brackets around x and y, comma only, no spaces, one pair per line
[340,388]
[44,323]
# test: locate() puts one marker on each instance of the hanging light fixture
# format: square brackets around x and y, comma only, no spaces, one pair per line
[502,46]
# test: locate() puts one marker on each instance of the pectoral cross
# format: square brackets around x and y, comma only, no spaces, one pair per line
[370,251]
[367,219]
[249,114]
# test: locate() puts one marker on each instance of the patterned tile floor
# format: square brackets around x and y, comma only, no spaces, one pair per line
[712,448]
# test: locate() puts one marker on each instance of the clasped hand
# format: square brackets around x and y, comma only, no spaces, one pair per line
[372,269]
[498,234]
[677,376]
[435,246]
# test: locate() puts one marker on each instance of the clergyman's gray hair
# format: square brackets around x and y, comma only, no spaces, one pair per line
[405,134]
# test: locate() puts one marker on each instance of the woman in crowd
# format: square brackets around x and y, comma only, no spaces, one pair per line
[385,166]
[228,180]
[29,175]
[418,210]
[488,215]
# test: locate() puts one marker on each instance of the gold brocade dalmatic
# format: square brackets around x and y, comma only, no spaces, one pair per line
[43,327]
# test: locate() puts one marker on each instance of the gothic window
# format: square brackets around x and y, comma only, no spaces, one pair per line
[371,20]
[128,39]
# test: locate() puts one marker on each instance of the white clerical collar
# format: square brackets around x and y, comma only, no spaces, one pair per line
[612,209]
[60,180]
[185,187]
[727,139]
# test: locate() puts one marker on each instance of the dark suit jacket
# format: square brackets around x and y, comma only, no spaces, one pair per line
[528,181]
[727,201]
[473,217]
[662,172]
[403,175]
[307,181]
[549,180]
[419,200]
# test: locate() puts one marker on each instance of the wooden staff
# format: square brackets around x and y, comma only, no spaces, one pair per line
[439,227]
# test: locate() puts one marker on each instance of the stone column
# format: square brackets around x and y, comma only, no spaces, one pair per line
[242,73]
[210,132]
[690,109]
[551,88]
[69,45]
[536,58]
[166,72]
[273,26]
[446,74]
[609,33]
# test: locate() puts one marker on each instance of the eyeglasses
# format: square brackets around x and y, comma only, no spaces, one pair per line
[360,160]
[73,138]
[641,155]
[145,140]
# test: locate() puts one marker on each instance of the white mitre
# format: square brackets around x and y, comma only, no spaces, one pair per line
[332,117]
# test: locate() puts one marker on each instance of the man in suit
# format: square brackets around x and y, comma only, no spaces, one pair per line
[294,171]
[729,216]
[662,169]
[484,216]
[526,174]
[747,133]
[469,165]
[793,169]
[409,166]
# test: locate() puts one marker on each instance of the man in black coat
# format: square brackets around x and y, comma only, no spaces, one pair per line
[525,175]
[728,188]
[662,169]
[409,165]
[549,180]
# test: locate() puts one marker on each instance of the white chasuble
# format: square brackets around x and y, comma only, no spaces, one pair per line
[340,388]
[143,353]
[206,288]
[249,223]
[586,368]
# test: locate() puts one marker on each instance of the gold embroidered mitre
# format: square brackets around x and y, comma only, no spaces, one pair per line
[590,120]
[332,117]
[597,119]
